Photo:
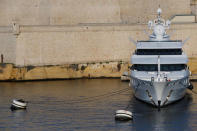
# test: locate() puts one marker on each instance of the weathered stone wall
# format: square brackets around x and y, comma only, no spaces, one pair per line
[67,71]
[140,11]
[72,12]
[7,45]
[80,44]
[81,38]
[67,45]
[61,45]
[193,5]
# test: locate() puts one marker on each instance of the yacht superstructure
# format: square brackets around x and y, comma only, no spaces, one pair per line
[159,74]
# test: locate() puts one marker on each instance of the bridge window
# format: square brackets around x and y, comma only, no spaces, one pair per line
[173,67]
[154,67]
[145,67]
[159,51]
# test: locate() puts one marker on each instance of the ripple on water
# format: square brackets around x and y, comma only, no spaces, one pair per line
[50,107]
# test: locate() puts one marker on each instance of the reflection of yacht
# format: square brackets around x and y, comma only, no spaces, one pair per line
[174,117]
[159,74]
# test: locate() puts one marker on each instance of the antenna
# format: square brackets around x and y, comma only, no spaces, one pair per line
[146,32]
[159,11]
[185,41]
[150,24]
[133,41]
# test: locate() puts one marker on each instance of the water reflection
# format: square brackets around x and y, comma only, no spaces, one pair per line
[48,107]
[170,118]
[16,114]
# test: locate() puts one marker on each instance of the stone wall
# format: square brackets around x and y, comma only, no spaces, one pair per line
[7,45]
[140,11]
[66,71]
[68,45]
[56,45]
[72,12]
[55,36]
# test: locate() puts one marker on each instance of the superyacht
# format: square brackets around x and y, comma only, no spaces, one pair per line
[159,72]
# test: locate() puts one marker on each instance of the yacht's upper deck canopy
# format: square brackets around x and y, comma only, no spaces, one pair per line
[164,59]
[159,44]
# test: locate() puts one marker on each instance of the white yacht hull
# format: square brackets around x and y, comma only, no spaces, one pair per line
[159,71]
[159,93]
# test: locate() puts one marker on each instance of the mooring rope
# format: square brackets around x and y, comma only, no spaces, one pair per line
[193,92]
[89,99]
[93,98]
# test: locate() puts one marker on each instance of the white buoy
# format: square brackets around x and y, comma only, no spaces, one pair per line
[123,115]
[18,104]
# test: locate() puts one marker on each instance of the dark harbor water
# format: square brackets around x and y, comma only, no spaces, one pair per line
[89,105]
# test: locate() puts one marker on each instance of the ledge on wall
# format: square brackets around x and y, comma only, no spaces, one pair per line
[183,19]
